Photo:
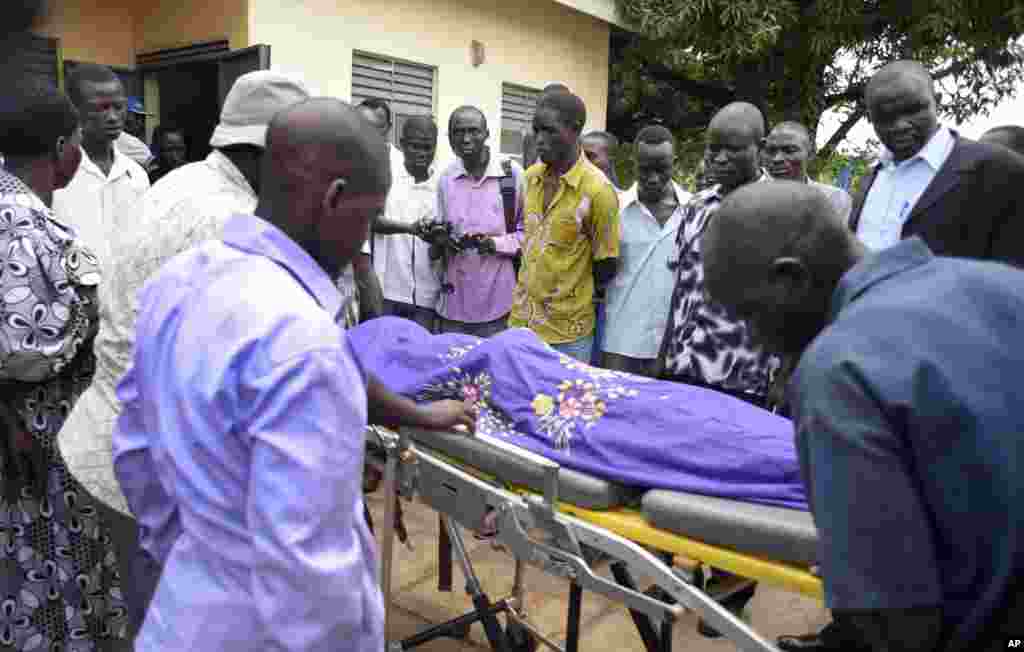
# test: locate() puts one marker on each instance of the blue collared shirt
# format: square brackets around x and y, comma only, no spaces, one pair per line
[639,296]
[909,408]
[897,188]
[240,450]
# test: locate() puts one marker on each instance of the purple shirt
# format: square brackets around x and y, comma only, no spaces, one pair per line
[482,284]
[240,450]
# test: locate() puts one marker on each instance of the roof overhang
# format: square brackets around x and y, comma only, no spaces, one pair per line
[606,10]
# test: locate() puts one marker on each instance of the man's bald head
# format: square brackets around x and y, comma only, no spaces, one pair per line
[742,114]
[332,133]
[325,175]
[901,104]
[774,252]
[795,128]
[786,151]
[732,151]
[903,68]
[761,222]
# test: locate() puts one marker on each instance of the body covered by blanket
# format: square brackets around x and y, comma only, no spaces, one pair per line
[624,428]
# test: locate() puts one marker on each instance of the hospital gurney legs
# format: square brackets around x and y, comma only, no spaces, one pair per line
[465,501]
[512,638]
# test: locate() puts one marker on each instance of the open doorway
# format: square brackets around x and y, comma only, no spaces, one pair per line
[189,100]
[186,87]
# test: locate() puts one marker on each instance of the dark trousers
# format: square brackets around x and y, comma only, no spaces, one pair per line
[425,317]
[483,329]
[630,365]
[599,322]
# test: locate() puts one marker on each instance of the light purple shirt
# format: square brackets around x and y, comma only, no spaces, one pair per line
[482,285]
[240,450]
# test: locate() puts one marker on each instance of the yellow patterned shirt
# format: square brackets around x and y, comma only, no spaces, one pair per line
[554,295]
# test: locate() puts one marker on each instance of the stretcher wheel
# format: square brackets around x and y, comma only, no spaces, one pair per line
[518,638]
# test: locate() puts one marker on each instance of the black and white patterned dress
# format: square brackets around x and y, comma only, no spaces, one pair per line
[707,342]
[59,583]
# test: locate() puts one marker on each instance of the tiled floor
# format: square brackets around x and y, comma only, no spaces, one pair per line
[604,625]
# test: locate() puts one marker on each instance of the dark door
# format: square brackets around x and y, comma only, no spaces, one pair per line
[233,65]
[193,82]
[188,101]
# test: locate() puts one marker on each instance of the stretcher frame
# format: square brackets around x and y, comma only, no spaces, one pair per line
[462,499]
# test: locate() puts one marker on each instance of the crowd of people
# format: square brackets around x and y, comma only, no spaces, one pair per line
[183,465]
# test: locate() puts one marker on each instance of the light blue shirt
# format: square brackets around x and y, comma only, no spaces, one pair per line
[639,296]
[240,450]
[897,188]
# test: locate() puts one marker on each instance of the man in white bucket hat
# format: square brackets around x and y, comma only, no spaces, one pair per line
[187,206]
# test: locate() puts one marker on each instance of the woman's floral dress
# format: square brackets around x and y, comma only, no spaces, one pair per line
[59,585]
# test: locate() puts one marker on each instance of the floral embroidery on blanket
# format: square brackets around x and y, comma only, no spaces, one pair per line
[475,388]
[580,402]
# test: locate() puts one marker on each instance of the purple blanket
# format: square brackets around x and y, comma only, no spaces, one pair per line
[620,427]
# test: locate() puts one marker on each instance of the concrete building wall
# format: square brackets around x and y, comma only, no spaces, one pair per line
[526,42]
[96,31]
[112,32]
[174,23]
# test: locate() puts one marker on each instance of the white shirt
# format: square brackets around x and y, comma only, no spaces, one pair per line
[628,196]
[897,188]
[134,149]
[190,205]
[397,158]
[402,262]
[639,296]
[94,202]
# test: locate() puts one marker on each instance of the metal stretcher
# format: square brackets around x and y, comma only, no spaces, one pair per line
[554,518]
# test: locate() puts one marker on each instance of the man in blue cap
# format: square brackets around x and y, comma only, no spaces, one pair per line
[131,142]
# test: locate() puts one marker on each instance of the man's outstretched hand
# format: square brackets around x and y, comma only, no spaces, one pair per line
[393,411]
[448,415]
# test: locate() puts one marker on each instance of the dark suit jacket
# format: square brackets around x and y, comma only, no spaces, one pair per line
[973,208]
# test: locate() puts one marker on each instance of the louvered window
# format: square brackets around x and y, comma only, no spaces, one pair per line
[517,108]
[407,87]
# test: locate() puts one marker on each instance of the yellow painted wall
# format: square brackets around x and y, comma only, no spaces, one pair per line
[111,32]
[164,24]
[96,31]
[527,42]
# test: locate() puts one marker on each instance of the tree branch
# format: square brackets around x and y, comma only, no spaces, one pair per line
[954,68]
[855,92]
[713,91]
[841,133]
